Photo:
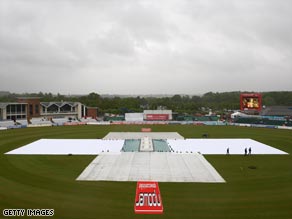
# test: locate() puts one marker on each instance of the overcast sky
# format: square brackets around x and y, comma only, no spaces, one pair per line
[145,47]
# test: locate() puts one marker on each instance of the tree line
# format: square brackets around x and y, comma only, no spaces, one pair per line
[188,104]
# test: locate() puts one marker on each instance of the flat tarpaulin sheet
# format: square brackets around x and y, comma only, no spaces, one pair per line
[153,166]
[179,146]
[70,146]
[139,135]
[220,146]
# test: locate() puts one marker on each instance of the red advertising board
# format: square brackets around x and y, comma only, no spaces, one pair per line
[157,117]
[148,198]
[146,129]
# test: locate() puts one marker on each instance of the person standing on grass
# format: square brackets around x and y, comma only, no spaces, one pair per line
[249,151]
[227,151]
[245,151]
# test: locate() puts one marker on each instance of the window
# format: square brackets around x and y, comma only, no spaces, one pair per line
[53,109]
[65,108]
[36,109]
[30,109]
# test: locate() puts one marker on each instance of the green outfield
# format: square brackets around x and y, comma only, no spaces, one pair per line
[256,186]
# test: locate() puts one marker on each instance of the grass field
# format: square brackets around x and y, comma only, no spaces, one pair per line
[264,191]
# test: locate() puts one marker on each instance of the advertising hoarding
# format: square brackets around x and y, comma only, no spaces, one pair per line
[148,198]
[157,117]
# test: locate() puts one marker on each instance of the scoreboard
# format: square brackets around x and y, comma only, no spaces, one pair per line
[251,101]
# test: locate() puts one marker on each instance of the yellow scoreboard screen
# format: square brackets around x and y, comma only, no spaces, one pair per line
[252,101]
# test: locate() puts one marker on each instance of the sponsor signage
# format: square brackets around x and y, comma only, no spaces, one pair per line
[148,198]
[146,129]
[157,117]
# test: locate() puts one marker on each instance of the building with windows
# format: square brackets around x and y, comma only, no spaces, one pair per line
[13,111]
[61,109]
[27,108]
[33,106]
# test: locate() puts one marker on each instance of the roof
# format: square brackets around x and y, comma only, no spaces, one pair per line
[59,104]
[277,111]
[3,105]
[157,111]
[28,98]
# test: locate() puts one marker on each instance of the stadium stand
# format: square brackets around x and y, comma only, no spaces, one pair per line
[114,118]
[22,122]
[197,118]
[40,122]
[7,123]
[277,111]
[264,121]
[88,119]
[60,121]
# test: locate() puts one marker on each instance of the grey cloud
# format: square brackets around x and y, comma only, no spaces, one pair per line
[116,42]
[145,46]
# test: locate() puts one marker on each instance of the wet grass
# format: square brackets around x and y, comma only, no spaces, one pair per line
[257,186]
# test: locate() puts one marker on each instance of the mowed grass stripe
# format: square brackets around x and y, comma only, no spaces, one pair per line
[49,181]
